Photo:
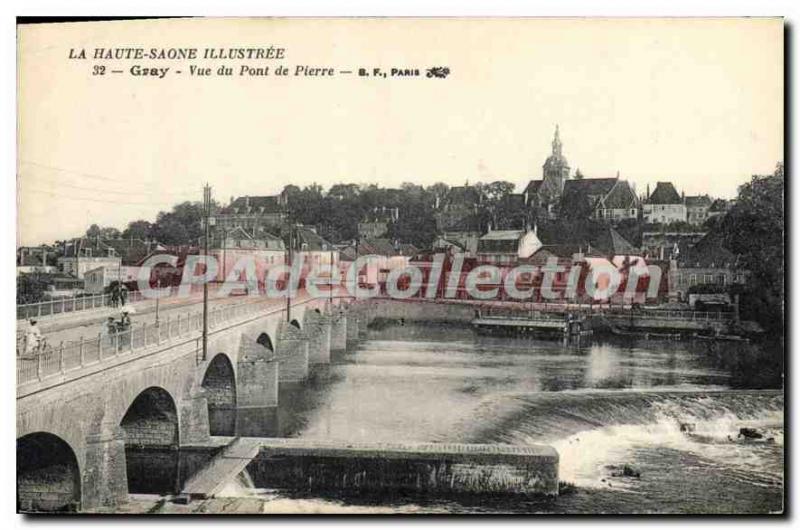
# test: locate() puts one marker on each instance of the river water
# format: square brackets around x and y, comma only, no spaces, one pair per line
[602,404]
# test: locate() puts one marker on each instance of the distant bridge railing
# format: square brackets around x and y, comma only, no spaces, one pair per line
[668,314]
[521,308]
[58,306]
[56,360]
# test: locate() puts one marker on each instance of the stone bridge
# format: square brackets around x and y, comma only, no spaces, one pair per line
[98,427]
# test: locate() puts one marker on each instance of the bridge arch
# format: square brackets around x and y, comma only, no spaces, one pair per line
[152,438]
[219,383]
[296,323]
[48,475]
[265,340]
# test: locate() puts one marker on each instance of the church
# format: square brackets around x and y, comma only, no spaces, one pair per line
[555,195]
[543,195]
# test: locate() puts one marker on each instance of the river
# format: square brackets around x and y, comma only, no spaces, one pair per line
[602,404]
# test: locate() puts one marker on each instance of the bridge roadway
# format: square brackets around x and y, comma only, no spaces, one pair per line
[87,324]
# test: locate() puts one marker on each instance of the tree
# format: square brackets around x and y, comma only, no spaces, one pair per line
[102,232]
[182,226]
[139,229]
[754,229]
[493,200]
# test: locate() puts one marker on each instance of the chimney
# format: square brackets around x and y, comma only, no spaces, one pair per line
[247,202]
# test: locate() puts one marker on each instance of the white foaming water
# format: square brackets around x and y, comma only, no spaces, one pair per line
[241,486]
[274,502]
[585,455]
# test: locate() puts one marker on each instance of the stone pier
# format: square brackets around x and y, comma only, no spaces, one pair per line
[318,331]
[353,323]
[338,330]
[104,478]
[292,353]
[257,368]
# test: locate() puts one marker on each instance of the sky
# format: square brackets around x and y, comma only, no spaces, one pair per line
[697,102]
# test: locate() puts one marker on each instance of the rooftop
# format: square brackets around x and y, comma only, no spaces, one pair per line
[665,193]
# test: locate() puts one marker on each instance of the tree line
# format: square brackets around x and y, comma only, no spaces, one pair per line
[335,213]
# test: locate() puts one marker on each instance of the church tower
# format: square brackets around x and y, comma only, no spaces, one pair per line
[556,169]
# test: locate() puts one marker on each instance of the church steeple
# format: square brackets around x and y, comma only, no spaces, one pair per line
[556,143]
[556,169]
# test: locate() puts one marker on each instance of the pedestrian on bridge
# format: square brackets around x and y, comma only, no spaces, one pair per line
[33,339]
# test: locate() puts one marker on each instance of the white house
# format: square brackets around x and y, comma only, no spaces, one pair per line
[96,280]
[84,254]
[664,205]
[506,247]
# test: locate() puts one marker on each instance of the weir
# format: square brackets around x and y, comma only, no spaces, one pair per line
[345,467]
[222,468]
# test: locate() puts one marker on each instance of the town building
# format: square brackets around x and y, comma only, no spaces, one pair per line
[507,247]
[133,250]
[608,199]
[664,205]
[229,246]
[40,259]
[377,222]
[308,245]
[466,239]
[663,244]
[34,287]
[589,236]
[96,280]
[385,255]
[255,214]
[697,207]
[448,246]
[707,263]
[718,208]
[84,254]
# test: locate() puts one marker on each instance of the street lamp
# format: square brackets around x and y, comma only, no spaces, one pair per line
[158,298]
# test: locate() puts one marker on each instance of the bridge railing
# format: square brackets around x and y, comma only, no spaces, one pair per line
[669,314]
[58,306]
[72,355]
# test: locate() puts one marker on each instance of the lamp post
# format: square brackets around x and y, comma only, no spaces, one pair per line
[289,276]
[207,215]
[158,298]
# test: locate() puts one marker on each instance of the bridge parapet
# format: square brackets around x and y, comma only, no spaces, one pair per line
[141,339]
